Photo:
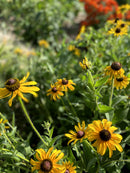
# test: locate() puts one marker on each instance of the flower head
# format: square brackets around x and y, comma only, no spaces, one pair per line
[114,70]
[79,135]
[85,64]
[65,84]
[55,92]
[72,48]
[121,82]
[14,87]
[4,122]
[47,161]
[102,133]
[69,168]
[18,51]
[43,43]
[118,30]
[82,30]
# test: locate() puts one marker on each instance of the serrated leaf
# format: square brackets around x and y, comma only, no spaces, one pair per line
[104,108]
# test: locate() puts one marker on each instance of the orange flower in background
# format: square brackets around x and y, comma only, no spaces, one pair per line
[97,9]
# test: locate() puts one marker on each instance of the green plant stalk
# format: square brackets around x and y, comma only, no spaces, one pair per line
[115,161]
[112,89]
[72,107]
[8,139]
[30,121]
[87,143]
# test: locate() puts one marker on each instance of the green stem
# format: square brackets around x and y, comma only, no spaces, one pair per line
[115,161]
[72,107]
[87,143]
[8,139]
[30,121]
[112,89]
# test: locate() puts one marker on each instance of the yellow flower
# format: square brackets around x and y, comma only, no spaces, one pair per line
[121,82]
[114,70]
[69,168]
[82,30]
[79,135]
[85,64]
[47,162]
[128,54]
[118,31]
[102,133]
[14,87]
[74,49]
[4,122]
[43,43]
[65,84]
[18,51]
[31,53]
[55,92]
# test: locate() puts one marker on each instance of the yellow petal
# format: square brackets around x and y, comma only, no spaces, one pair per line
[13,96]
[4,93]
[22,97]
[29,83]
[25,78]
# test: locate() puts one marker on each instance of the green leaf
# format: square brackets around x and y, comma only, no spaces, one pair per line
[120,114]
[104,108]
[90,79]
[118,99]
[101,81]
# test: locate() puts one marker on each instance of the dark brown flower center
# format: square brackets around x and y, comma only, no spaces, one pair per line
[67,171]
[116,20]
[122,25]
[118,30]
[105,135]
[119,79]
[116,66]
[54,89]
[12,84]
[64,81]
[80,134]
[46,165]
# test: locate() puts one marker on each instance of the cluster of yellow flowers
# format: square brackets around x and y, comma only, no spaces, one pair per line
[120,28]
[47,162]
[59,87]
[99,131]
[85,64]
[116,72]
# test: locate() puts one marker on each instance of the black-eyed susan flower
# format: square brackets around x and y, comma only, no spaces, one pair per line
[65,84]
[118,31]
[79,135]
[122,24]
[43,43]
[121,82]
[4,122]
[114,70]
[85,64]
[102,133]
[47,161]
[14,87]
[69,168]
[55,92]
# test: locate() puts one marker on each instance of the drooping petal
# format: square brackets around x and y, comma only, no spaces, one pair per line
[4,93]
[22,97]
[13,96]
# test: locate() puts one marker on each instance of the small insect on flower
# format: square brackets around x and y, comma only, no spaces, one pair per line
[85,64]
[47,161]
[114,70]
[102,133]
[55,92]
[65,84]
[14,87]
[69,168]
[121,82]
[79,135]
